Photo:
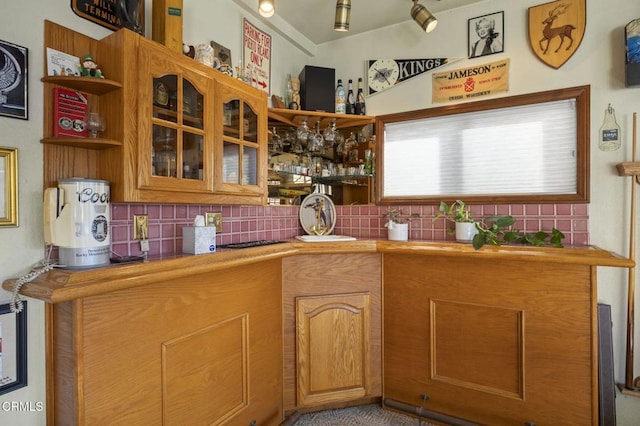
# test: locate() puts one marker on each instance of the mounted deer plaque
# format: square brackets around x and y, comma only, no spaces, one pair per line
[556,30]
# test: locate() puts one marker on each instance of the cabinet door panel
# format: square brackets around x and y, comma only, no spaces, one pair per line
[241,157]
[175,124]
[333,341]
[309,277]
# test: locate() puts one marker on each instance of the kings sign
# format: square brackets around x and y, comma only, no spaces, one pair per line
[556,30]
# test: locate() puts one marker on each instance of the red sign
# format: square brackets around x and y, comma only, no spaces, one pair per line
[256,53]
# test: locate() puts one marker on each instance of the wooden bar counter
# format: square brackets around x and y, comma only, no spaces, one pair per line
[501,335]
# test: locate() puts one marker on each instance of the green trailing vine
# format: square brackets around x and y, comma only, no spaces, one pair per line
[497,230]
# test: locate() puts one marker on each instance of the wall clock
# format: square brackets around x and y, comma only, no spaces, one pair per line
[382,74]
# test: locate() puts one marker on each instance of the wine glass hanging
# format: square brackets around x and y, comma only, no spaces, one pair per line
[317,147]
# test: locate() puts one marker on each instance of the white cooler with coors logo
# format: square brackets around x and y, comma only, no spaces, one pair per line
[76,219]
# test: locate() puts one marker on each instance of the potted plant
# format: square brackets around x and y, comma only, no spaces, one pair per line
[460,215]
[398,224]
[498,230]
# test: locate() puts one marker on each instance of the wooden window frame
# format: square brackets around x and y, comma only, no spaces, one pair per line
[581,94]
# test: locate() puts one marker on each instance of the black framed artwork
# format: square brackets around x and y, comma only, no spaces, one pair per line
[13,348]
[486,34]
[13,80]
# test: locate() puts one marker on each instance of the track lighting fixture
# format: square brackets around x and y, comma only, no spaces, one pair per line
[343,14]
[423,17]
[266,8]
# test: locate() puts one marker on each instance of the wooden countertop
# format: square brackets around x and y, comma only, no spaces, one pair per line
[62,285]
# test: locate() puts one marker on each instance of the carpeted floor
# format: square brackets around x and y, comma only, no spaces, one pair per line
[365,415]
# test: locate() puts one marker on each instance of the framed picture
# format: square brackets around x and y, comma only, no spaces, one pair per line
[13,348]
[224,58]
[13,80]
[9,190]
[486,34]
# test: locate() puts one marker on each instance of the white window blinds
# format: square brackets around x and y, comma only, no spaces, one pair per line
[528,149]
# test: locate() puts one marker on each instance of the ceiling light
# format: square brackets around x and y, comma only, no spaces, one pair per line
[266,8]
[343,13]
[423,17]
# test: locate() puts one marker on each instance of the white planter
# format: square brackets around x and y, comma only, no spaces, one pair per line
[398,231]
[465,231]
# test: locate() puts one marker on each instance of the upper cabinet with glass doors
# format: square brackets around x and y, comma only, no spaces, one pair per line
[167,138]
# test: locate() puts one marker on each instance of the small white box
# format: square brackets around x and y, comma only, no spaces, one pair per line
[198,239]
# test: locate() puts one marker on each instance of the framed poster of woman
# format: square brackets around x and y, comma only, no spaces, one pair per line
[486,34]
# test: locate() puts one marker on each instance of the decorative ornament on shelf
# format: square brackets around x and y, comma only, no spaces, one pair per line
[295,93]
[94,123]
[89,68]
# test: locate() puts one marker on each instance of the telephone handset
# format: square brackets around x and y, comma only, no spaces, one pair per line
[53,205]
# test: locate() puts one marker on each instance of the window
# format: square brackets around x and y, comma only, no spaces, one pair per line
[528,148]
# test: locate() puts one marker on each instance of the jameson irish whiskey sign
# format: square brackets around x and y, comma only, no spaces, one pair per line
[113,14]
[465,84]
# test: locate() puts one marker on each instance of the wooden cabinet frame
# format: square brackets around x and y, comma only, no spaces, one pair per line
[121,156]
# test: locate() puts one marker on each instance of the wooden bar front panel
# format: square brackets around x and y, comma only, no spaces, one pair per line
[206,349]
[497,343]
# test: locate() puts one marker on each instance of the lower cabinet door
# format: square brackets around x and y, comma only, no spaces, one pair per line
[332,334]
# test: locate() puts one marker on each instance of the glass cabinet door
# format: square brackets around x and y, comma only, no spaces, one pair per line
[178,131]
[240,152]
[175,127]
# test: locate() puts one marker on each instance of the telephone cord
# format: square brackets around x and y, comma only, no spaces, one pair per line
[16,305]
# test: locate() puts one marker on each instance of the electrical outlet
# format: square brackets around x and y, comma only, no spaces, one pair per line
[214,219]
[140,226]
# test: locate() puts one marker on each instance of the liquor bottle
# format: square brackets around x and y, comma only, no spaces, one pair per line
[340,98]
[351,99]
[360,105]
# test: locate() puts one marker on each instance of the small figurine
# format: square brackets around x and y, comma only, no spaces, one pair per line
[295,93]
[89,68]
[204,54]
[189,50]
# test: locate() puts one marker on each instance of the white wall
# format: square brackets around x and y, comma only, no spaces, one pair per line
[599,62]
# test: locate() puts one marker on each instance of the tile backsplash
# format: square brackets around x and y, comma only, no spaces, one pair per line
[249,223]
